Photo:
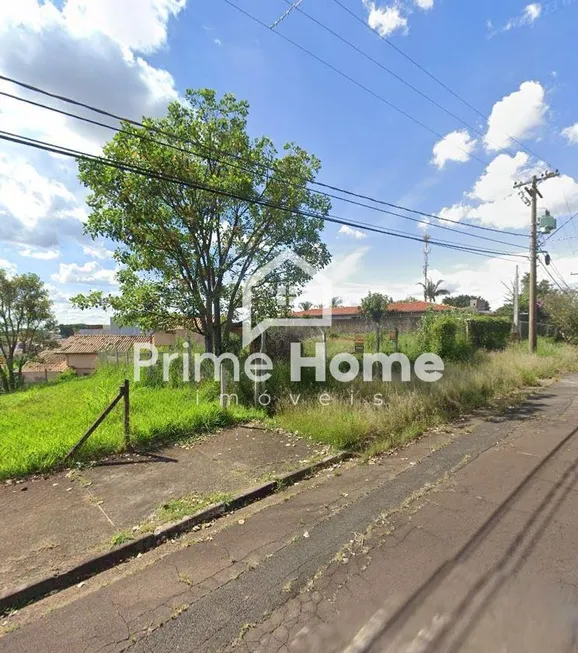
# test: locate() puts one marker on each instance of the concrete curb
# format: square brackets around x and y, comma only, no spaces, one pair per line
[99,563]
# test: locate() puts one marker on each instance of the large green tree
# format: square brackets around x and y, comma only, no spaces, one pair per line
[26,324]
[186,253]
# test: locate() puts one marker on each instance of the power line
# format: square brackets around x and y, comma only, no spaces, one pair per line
[402,80]
[559,275]
[552,277]
[365,88]
[185,151]
[326,63]
[151,174]
[436,79]
[561,226]
[269,168]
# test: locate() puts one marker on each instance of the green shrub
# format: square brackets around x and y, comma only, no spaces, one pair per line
[488,332]
[444,334]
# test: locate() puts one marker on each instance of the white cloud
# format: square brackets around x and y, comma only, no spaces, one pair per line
[499,205]
[532,12]
[529,16]
[571,134]
[484,278]
[54,48]
[137,24]
[340,273]
[516,116]
[40,254]
[218,42]
[456,212]
[9,267]
[385,20]
[499,177]
[425,224]
[354,233]
[28,195]
[90,273]
[455,146]
[97,251]
[424,4]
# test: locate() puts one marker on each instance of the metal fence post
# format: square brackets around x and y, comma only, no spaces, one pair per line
[125,389]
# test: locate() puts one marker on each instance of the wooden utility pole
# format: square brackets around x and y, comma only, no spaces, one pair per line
[531,188]
[517,304]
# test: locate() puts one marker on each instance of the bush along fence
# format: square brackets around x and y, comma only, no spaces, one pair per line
[123,394]
[459,336]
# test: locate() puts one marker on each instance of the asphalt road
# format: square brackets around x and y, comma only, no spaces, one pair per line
[468,545]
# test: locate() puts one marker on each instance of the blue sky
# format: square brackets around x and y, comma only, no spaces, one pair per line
[510,60]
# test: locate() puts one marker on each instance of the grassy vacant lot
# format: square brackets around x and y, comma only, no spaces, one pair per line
[40,425]
[410,408]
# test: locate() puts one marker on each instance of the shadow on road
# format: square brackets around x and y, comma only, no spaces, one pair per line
[459,625]
[144,459]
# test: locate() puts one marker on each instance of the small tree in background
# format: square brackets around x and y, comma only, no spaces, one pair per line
[336,302]
[374,308]
[463,301]
[562,308]
[26,324]
[306,306]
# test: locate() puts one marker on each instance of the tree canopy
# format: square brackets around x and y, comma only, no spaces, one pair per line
[374,307]
[185,253]
[464,301]
[26,323]
[544,288]
[562,308]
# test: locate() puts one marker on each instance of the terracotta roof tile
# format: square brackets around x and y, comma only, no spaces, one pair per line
[100,343]
[50,362]
[397,307]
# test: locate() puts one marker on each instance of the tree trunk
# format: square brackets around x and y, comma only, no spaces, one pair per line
[4,380]
[377,337]
[209,339]
[218,332]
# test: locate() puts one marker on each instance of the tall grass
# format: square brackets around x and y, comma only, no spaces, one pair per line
[40,425]
[352,419]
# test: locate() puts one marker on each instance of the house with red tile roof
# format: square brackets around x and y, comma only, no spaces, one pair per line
[404,316]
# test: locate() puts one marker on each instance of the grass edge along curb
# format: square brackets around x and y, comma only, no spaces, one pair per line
[33,592]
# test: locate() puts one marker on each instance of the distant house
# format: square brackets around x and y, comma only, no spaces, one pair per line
[83,352]
[51,364]
[404,316]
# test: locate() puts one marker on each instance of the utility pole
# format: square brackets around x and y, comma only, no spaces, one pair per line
[426,253]
[517,304]
[531,188]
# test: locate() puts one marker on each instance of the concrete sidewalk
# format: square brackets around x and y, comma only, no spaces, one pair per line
[305,570]
[51,524]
